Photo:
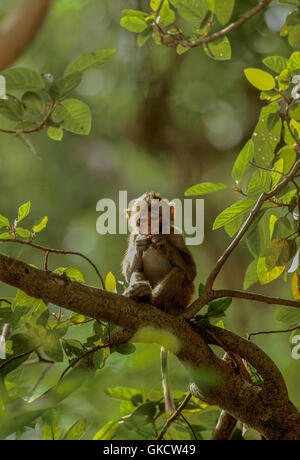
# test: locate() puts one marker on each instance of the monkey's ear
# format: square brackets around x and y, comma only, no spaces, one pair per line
[128,213]
[172,211]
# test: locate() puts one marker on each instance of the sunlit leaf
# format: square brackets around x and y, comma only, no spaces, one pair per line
[110,282]
[90,60]
[23,211]
[260,79]
[231,213]
[205,188]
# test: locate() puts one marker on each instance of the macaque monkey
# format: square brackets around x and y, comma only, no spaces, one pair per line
[158,265]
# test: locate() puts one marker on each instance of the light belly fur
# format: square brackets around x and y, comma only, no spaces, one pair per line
[156,265]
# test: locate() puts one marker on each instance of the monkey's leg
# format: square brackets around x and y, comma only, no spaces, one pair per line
[169,403]
[139,288]
[173,293]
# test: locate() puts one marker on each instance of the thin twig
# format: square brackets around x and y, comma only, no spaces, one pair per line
[174,416]
[221,33]
[56,251]
[13,358]
[40,379]
[291,329]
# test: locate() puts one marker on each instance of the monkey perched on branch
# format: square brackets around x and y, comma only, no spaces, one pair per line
[158,266]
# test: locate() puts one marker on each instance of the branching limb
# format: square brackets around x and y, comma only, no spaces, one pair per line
[280,421]
[208,294]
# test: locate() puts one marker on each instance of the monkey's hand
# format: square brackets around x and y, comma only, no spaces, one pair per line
[158,241]
[139,289]
[142,242]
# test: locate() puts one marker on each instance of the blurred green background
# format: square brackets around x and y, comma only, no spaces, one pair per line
[161,122]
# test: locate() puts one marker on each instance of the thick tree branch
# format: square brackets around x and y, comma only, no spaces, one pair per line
[266,409]
[20,28]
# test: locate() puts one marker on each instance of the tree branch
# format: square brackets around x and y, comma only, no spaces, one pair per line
[235,25]
[20,28]
[174,416]
[208,293]
[279,421]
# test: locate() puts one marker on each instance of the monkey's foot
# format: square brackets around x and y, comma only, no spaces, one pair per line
[139,290]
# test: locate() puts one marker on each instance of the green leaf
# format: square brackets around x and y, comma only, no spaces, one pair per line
[110,282]
[180,49]
[155,4]
[205,188]
[278,166]
[138,13]
[276,63]
[134,23]
[233,212]
[6,236]
[294,61]
[33,103]
[217,308]
[107,432]
[144,36]
[295,111]
[272,264]
[51,432]
[223,10]
[4,222]
[24,233]
[75,116]
[126,348]
[260,79]
[260,182]
[126,393]
[233,227]
[167,15]
[284,79]
[23,211]
[52,346]
[266,274]
[98,359]
[21,78]
[76,431]
[72,347]
[251,275]
[191,10]
[12,108]
[242,162]
[219,49]
[258,235]
[64,86]
[265,137]
[90,60]
[294,37]
[75,274]
[38,227]
[55,133]
[288,315]
[288,155]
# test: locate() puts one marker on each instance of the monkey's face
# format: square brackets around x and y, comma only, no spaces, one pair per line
[150,217]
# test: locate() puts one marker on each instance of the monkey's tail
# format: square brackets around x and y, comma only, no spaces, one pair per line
[169,403]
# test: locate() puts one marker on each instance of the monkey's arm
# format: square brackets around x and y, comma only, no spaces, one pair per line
[177,253]
[133,269]
[133,262]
